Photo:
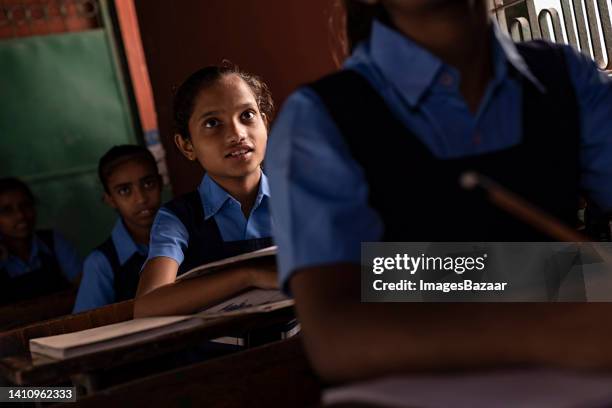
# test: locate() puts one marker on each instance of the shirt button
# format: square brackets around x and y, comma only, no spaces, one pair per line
[447,79]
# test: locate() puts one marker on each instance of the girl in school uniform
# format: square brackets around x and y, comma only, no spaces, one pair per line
[221,117]
[374,153]
[33,262]
[132,186]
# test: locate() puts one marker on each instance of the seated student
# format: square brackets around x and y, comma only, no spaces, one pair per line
[374,153]
[132,186]
[32,263]
[221,117]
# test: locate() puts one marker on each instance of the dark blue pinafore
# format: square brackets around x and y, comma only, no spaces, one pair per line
[47,279]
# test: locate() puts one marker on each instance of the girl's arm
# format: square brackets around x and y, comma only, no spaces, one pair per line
[349,340]
[159,295]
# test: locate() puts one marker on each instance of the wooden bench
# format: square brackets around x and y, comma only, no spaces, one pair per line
[16,341]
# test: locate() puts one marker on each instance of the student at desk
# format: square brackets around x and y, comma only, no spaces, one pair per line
[32,262]
[221,118]
[132,186]
[374,152]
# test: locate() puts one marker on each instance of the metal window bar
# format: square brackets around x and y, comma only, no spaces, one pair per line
[584,24]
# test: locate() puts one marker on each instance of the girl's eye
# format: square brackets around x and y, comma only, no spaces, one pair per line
[211,123]
[150,184]
[248,115]
[123,191]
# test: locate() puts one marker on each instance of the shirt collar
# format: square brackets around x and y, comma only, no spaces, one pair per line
[214,196]
[411,69]
[512,56]
[124,244]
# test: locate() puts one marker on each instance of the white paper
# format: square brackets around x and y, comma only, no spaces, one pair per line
[209,267]
[110,336]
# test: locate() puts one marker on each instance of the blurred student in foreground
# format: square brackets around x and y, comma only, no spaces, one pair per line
[374,152]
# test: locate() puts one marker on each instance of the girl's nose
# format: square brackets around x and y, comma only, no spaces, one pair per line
[21,213]
[237,133]
[140,195]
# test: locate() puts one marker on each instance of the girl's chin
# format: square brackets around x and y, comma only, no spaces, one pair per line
[241,173]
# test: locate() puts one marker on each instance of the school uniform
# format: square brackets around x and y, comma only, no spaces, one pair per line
[390,134]
[52,265]
[111,272]
[208,224]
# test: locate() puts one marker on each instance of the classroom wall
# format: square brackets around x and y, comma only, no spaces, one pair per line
[287,42]
[64,103]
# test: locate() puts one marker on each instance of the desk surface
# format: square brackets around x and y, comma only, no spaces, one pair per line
[23,369]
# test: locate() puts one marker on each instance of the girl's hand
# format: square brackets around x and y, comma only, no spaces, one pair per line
[263,276]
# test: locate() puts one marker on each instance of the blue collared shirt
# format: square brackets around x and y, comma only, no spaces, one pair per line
[170,238]
[66,255]
[320,194]
[97,286]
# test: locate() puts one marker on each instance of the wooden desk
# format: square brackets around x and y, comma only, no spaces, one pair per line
[36,310]
[21,369]
[277,374]
[16,341]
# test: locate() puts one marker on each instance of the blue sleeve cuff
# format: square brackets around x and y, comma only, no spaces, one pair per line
[97,286]
[169,237]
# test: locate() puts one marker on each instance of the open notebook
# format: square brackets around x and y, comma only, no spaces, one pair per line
[139,330]
[231,261]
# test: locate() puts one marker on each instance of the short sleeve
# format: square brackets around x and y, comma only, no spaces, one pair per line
[319,195]
[97,285]
[594,93]
[169,237]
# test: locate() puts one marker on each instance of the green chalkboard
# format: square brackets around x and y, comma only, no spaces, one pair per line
[62,106]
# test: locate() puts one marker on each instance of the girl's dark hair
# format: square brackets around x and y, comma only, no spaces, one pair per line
[185,95]
[120,154]
[13,184]
[352,20]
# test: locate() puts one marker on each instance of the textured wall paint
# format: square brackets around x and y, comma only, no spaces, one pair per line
[287,42]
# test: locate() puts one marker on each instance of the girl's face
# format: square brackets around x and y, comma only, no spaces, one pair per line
[17,215]
[135,192]
[228,132]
